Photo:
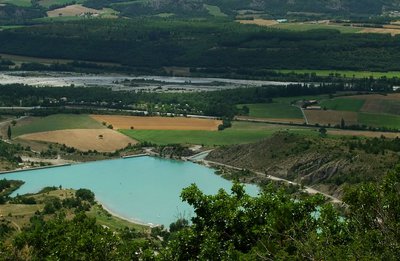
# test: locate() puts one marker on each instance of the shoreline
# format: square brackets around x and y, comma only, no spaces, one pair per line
[106,208]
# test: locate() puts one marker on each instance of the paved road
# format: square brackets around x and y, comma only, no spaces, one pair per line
[306,189]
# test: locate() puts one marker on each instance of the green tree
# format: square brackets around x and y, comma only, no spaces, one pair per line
[9,134]
[322,131]
[227,226]
[342,124]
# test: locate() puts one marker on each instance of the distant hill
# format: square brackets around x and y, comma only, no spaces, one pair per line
[261,7]
[17,11]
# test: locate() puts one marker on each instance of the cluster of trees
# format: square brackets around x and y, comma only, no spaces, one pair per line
[376,145]
[9,152]
[154,43]
[235,226]
[11,14]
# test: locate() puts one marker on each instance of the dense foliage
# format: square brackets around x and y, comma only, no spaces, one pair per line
[154,43]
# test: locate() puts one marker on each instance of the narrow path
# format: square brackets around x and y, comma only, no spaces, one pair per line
[199,156]
[304,114]
[261,174]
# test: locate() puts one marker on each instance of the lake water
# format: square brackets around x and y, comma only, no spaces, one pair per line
[142,189]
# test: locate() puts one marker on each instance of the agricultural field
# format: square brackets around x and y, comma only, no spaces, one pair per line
[379,120]
[157,123]
[102,140]
[367,134]
[373,110]
[332,118]
[391,31]
[382,106]
[239,133]
[55,122]
[261,22]
[277,110]
[343,104]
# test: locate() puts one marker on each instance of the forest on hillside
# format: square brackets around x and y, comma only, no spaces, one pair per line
[154,43]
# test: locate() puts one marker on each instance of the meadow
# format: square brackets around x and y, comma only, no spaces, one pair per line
[343,104]
[239,133]
[55,122]
[379,120]
[279,110]
[157,123]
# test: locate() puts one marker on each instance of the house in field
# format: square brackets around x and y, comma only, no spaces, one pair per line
[314,107]
[309,103]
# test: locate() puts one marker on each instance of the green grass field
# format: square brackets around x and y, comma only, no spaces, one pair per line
[56,122]
[214,11]
[343,104]
[241,132]
[347,74]
[275,110]
[307,27]
[379,120]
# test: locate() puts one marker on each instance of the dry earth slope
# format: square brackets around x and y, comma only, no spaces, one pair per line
[323,163]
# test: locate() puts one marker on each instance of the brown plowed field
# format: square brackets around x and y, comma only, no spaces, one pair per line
[375,103]
[368,134]
[391,31]
[331,117]
[158,123]
[392,96]
[262,22]
[84,139]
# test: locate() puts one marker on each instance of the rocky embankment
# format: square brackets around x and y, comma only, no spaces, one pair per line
[323,163]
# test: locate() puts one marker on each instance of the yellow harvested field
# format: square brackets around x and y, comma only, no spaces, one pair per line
[381,31]
[261,22]
[84,139]
[331,117]
[72,10]
[158,123]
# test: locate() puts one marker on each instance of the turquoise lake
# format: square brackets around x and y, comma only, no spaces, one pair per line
[142,189]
